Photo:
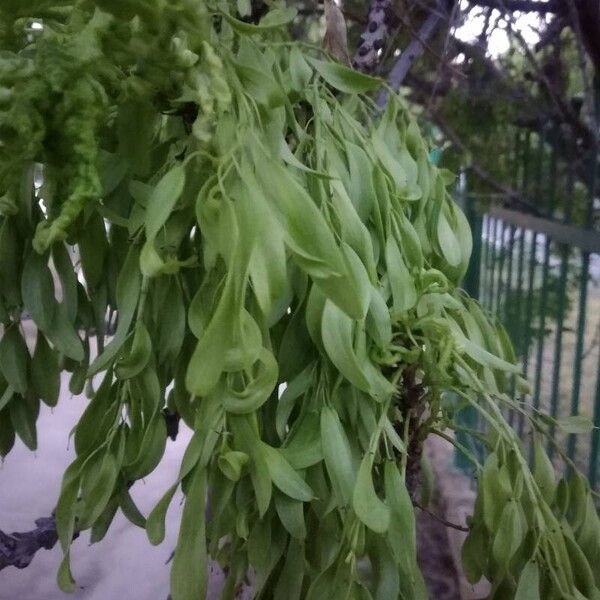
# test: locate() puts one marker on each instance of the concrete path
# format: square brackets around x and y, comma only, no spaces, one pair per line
[124,565]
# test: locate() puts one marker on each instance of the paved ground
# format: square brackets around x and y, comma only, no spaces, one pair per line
[124,565]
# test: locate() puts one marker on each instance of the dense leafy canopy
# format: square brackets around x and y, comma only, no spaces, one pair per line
[240,210]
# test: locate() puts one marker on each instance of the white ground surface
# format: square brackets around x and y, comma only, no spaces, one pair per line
[124,565]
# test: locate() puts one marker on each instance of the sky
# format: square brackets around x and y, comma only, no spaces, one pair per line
[499,42]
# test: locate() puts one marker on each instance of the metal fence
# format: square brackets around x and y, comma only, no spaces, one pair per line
[537,267]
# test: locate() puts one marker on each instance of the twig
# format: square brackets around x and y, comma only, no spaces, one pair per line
[440,519]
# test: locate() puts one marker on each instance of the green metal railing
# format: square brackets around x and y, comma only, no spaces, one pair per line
[538,270]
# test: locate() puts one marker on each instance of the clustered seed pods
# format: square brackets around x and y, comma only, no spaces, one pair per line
[237,239]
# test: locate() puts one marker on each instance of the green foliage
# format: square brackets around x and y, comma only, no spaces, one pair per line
[235,203]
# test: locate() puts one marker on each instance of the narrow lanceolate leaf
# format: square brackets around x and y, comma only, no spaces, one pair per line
[45,372]
[404,292]
[509,535]
[338,455]
[337,332]
[273,20]
[575,424]
[528,587]
[284,476]
[543,471]
[402,530]
[37,289]
[189,573]
[367,505]
[163,199]
[14,359]
[344,78]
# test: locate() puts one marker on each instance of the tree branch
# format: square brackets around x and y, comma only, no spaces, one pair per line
[440,519]
[18,549]
[588,13]
[408,57]
[373,38]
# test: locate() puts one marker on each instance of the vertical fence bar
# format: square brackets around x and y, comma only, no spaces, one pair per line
[582,308]
[501,263]
[485,263]
[595,437]
[518,316]
[500,267]
[471,283]
[595,451]
[492,268]
[531,271]
[562,300]
[544,291]
[509,274]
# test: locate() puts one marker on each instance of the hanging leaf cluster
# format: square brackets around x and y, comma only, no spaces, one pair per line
[204,218]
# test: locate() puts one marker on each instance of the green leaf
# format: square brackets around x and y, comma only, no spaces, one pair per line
[14,359]
[289,584]
[99,494]
[272,20]
[509,535]
[543,471]
[303,446]
[474,554]
[93,249]
[247,438]
[68,280]
[337,332]
[151,449]
[447,241]
[284,476]
[404,292]
[294,390]
[378,323]
[37,288]
[189,573]
[575,424]
[291,514]
[528,587]
[367,505]
[259,386]
[261,85]
[64,336]
[7,432]
[162,200]
[127,293]
[130,509]
[345,79]
[137,358]
[231,464]
[155,523]
[23,419]
[45,372]
[338,455]
[66,507]
[300,71]
[64,578]
[402,527]
[483,357]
